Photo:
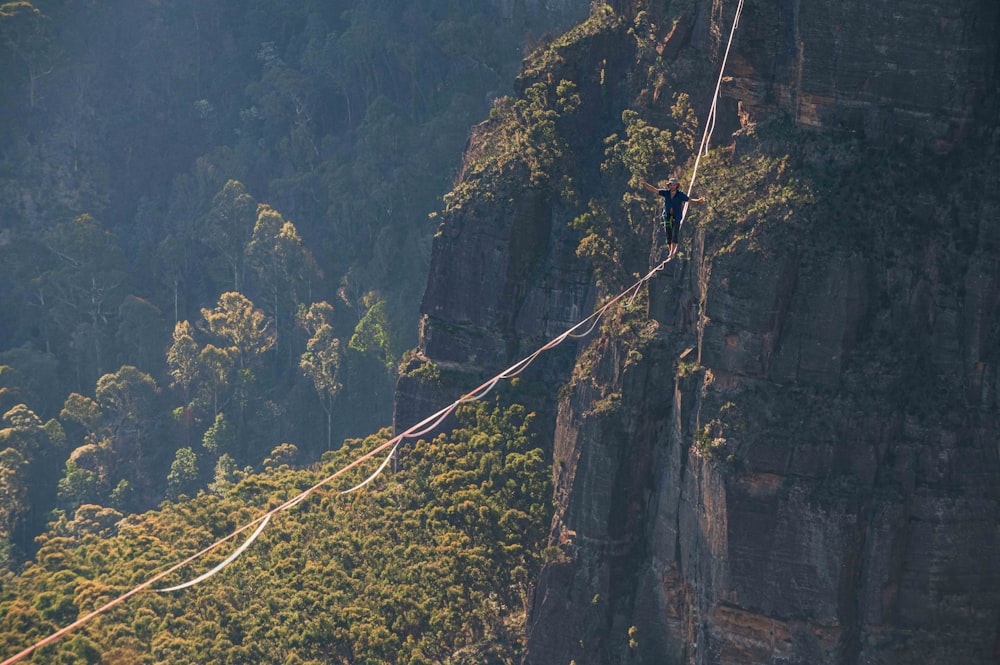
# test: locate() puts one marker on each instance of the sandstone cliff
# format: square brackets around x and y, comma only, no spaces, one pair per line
[785,451]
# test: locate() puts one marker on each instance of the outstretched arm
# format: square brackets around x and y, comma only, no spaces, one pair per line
[700,199]
[648,186]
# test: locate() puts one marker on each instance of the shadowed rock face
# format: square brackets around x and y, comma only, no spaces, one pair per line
[796,459]
[804,493]
[892,70]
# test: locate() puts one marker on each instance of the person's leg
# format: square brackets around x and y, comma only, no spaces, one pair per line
[661,237]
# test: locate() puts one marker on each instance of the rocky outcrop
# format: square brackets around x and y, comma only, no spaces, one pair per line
[788,453]
[502,286]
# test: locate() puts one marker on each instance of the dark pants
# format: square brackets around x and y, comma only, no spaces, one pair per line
[671,229]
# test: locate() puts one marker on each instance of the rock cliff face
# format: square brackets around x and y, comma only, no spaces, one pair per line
[920,70]
[788,449]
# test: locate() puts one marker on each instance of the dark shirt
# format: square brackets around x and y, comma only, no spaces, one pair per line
[673,206]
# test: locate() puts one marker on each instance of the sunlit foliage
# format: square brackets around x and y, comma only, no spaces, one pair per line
[430,564]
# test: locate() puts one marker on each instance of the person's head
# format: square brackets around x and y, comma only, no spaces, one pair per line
[672,183]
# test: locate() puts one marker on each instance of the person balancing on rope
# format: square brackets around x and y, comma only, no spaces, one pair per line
[673,210]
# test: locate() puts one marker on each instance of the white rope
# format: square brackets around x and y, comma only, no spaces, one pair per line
[232,557]
[703,147]
[710,120]
[424,426]
[376,474]
[59,634]
[585,332]
[705,139]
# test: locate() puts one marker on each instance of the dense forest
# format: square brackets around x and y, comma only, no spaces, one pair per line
[439,573]
[214,230]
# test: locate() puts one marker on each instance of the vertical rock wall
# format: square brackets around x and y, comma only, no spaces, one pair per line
[901,70]
[815,479]
[795,459]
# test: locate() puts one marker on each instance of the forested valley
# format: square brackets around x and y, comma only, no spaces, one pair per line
[215,224]
[214,228]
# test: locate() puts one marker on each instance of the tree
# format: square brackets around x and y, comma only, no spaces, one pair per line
[82,288]
[83,411]
[182,360]
[371,335]
[283,265]
[172,267]
[126,396]
[127,399]
[321,360]
[219,437]
[285,101]
[94,519]
[283,454]
[13,497]
[10,387]
[30,472]
[248,331]
[226,473]
[230,224]
[215,372]
[643,147]
[140,332]
[86,475]
[683,113]
[37,379]
[25,32]
[23,430]
[183,476]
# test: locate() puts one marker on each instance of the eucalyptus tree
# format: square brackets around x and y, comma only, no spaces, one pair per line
[128,399]
[284,267]
[322,358]
[247,334]
[183,476]
[83,284]
[182,360]
[13,497]
[247,330]
[26,33]
[229,228]
[215,376]
[373,333]
[140,337]
[28,451]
